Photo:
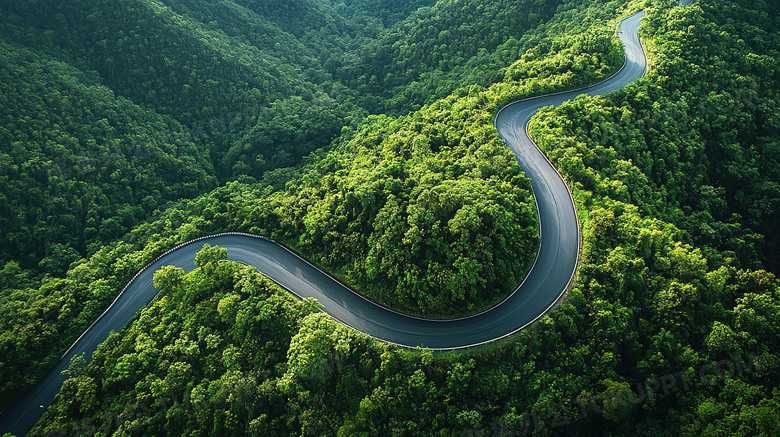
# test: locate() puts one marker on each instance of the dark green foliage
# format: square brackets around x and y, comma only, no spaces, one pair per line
[79,166]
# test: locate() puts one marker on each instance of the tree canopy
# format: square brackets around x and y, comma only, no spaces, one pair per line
[670,328]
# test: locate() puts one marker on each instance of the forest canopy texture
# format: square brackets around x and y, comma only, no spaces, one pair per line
[359,133]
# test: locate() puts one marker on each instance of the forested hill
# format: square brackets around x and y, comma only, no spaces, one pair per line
[671,328]
[81,166]
[238,85]
[207,66]
[460,43]
[111,110]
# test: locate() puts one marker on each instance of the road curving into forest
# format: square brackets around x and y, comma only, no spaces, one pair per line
[548,279]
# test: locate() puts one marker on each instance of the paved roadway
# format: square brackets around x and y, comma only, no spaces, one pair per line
[547,280]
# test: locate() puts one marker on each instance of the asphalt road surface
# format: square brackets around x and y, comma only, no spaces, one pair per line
[547,280]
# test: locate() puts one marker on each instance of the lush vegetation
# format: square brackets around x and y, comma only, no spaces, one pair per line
[134,160]
[458,44]
[79,166]
[428,214]
[193,91]
[698,150]
[672,325]
[352,227]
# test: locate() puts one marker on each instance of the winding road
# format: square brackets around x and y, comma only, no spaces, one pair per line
[545,283]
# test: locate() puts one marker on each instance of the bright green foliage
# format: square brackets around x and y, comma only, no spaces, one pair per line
[208,256]
[178,368]
[168,278]
[277,367]
[428,214]
[76,300]
[698,149]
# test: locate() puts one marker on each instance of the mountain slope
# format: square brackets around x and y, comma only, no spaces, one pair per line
[81,166]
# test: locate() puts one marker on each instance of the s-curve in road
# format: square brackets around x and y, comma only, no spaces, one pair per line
[547,280]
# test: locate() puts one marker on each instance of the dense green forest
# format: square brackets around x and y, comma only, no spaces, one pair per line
[138,138]
[75,173]
[427,214]
[671,327]
[201,84]
[446,47]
